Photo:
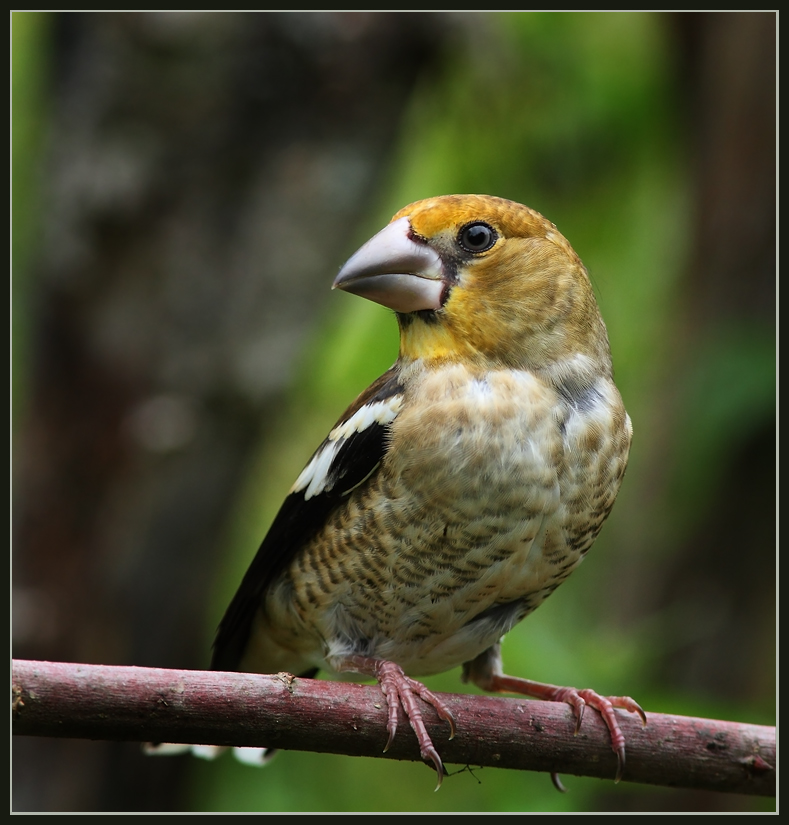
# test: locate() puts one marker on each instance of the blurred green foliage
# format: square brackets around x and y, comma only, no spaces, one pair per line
[29,33]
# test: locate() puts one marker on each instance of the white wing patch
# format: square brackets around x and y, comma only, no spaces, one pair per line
[315,477]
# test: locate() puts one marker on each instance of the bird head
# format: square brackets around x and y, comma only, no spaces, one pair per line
[483,280]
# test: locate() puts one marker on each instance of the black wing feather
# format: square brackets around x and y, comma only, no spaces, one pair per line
[299,519]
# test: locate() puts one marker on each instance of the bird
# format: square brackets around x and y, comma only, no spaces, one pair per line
[459,490]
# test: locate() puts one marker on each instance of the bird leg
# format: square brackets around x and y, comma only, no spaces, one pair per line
[400,690]
[486,673]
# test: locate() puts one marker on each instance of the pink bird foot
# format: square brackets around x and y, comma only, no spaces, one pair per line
[400,690]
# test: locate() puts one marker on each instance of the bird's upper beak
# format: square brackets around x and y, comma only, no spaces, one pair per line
[393,270]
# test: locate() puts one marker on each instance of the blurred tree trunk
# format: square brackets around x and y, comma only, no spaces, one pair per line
[205,175]
[729,74]
[713,580]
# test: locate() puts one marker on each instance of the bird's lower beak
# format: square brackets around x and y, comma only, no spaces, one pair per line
[393,270]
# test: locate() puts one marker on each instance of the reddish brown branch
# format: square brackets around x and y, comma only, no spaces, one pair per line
[147,704]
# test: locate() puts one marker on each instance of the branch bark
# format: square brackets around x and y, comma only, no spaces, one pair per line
[241,709]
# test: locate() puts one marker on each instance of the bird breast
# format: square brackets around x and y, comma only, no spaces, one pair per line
[493,487]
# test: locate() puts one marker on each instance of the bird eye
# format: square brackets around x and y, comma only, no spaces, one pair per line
[477,237]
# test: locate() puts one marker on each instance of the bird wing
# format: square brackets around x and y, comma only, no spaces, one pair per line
[346,459]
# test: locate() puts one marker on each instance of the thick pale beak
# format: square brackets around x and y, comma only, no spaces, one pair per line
[395,271]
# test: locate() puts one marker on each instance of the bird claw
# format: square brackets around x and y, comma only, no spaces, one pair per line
[604,705]
[579,706]
[620,764]
[399,691]
[557,782]
[482,672]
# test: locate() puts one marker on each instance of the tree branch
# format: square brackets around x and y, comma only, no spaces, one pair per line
[281,711]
